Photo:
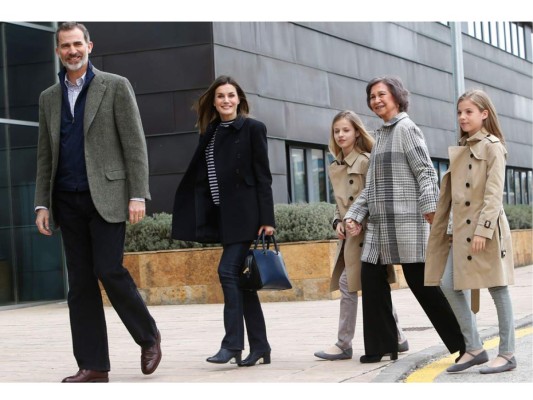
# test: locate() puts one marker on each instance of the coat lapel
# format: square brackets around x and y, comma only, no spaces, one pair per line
[55,113]
[95,94]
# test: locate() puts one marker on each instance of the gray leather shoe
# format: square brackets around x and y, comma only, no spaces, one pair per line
[343,355]
[509,365]
[481,358]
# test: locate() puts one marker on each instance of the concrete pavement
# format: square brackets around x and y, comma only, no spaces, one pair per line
[36,344]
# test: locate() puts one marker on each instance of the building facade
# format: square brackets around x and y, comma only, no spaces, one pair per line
[297,76]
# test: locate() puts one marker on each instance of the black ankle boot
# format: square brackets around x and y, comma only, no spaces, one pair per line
[224,355]
[377,358]
[255,356]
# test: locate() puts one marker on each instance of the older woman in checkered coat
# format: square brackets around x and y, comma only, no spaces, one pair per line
[399,199]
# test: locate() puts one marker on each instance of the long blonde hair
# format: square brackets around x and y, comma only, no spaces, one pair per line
[365,142]
[482,101]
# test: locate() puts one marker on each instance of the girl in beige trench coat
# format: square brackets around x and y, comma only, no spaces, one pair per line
[470,241]
[350,143]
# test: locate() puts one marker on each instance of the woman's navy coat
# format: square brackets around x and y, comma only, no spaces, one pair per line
[244,180]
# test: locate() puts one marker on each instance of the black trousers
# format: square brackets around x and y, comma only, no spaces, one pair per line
[94,251]
[240,306]
[379,326]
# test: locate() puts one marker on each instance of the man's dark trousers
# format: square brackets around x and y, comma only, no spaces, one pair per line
[94,251]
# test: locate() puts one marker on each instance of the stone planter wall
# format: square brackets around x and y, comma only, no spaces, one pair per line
[189,276]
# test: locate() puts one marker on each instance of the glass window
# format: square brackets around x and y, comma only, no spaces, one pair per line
[521,45]
[486,32]
[514,38]
[298,176]
[308,174]
[29,64]
[471,29]
[331,195]
[523,187]
[508,37]
[529,187]
[478,31]
[510,186]
[517,188]
[318,177]
[501,35]
[493,33]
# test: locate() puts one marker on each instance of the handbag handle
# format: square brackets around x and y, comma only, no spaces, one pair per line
[266,244]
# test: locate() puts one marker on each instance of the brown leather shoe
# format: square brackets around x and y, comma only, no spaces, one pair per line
[87,375]
[151,356]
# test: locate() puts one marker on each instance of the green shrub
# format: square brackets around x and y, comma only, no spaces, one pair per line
[153,233]
[519,216]
[303,222]
[294,222]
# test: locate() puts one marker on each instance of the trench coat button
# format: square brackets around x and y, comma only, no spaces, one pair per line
[361,244]
[469,166]
[467,221]
[351,198]
[237,171]
[468,240]
[469,258]
[351,181]
[471,156]
[467,203]
[467,184]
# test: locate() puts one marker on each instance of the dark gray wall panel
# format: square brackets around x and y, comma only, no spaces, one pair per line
[269,110]
[277,156]
[392,38]
[162,188]
[157,112]
[184,116]
[274,39]
[164,70]
[123,37]
[279,189]
[170,153]
[497,76]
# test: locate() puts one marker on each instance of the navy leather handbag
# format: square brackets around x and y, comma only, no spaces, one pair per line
[264,269]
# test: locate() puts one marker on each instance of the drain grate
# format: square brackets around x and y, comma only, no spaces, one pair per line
[417,328]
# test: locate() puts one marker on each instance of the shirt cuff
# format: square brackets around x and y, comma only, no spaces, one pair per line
[40,208]
[137,199]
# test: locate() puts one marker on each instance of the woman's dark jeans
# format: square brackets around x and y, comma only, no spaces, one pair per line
[240,306]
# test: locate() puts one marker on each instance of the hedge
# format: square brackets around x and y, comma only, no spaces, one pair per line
[294,223]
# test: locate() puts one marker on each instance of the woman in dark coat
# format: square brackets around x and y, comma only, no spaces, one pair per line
[226,197]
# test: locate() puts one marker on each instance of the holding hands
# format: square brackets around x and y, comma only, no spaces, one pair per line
[353,228]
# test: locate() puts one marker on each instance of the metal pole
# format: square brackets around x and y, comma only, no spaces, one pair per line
[458,70]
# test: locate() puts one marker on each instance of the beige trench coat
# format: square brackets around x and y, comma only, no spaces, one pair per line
[473,188]
[348,180]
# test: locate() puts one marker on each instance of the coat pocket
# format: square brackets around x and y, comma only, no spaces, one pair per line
[115,175]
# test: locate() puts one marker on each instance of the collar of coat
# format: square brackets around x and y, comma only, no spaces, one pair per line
[396,118]
[237,124]
[354,159]
[478,143]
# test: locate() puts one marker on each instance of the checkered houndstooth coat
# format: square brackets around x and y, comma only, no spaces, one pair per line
[401,186]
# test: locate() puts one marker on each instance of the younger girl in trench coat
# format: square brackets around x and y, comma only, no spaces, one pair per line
[470,241]
[351,144]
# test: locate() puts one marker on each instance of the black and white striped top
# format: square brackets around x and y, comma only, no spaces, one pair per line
[210,160]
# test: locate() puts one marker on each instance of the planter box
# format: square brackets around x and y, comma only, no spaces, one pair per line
[189,276]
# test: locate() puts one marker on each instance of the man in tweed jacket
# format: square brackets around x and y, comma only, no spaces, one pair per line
[400,198]
[92,172]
